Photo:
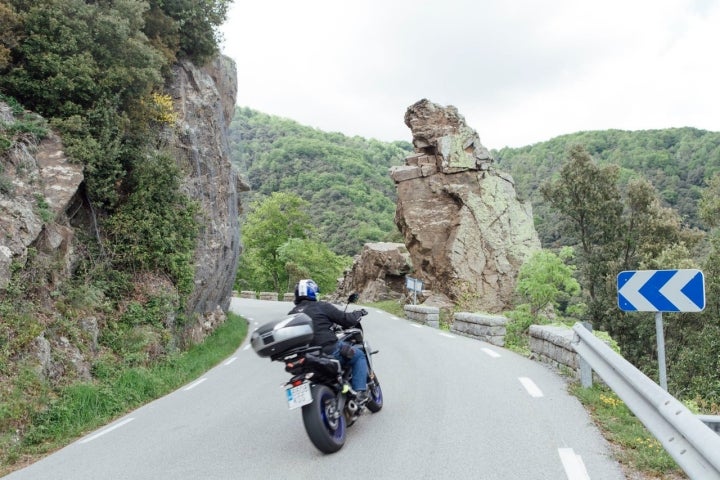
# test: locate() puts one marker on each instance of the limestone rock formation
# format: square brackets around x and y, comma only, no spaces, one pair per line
[465,229]
[378,273]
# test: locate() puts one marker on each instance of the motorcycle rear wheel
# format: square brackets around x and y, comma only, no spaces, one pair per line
[324,424]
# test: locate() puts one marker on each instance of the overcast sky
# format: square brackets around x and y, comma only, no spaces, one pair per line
[519,71]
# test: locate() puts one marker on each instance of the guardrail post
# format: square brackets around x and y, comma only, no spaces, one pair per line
[585,369]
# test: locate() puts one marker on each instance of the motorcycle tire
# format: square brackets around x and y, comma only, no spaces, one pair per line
[325,426]
[375,400]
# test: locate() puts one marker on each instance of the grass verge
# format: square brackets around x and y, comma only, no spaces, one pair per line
[83,407]
[636,448]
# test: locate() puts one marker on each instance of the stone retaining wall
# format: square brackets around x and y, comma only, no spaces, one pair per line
[429,316]
[488,328]
[268,296]
[553,345]
[248,294]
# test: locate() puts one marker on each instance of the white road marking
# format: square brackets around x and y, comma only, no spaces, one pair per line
[415,325]
[447,335]
[531,388]
[194,384]
[573,464]
[491,353]
[107,430]
[246,346]
[230,360]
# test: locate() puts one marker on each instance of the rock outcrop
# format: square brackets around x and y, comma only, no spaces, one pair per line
[38,184]
[465,229]
[204,99]
[378,273]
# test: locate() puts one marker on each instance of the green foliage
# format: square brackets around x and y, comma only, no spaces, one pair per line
[270,224]
[345,179]
[43,208]
[521,318]
[281,247]
[304,258]
[589,201]
[710,202]
[156,227]
[677,161]
[546,280]
[188,26]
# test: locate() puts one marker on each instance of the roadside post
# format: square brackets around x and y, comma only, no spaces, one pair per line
[661,291]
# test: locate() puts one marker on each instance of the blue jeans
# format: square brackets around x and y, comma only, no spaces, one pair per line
[358,363]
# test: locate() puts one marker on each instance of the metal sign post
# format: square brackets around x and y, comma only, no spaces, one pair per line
[661,291]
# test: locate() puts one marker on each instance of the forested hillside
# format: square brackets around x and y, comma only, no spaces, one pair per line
[345,179]
[677,161]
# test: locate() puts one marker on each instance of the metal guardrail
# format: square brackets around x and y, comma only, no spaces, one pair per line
[693,445]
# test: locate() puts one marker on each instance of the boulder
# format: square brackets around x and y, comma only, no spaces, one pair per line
[378,273]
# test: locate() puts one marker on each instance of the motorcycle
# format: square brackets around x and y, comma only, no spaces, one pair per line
[320,384]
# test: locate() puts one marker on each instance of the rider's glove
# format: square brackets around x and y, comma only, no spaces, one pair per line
[363,312]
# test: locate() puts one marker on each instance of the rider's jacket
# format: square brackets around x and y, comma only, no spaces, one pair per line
[324,315]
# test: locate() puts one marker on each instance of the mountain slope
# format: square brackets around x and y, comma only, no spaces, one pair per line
[678,162]
[344,178]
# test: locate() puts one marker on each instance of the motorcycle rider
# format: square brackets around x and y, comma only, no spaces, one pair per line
[324,315]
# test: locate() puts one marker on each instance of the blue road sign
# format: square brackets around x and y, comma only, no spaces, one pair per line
[661,290]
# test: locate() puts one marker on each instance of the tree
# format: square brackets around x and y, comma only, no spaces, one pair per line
[271,223]
[306,258]
[546,280]
[589,201]
[615,233]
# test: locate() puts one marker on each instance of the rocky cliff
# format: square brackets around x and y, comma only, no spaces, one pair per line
[462,222]
[205,102]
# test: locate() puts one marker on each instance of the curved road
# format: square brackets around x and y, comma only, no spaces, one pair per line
[454,408]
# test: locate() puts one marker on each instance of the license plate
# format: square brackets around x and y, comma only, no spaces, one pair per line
[298,396]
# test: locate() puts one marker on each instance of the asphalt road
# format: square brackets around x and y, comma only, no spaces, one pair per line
[454,408]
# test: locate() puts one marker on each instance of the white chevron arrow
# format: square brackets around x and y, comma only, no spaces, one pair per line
[672,291]
[632,294]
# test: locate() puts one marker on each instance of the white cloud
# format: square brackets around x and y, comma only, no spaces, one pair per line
[520,72]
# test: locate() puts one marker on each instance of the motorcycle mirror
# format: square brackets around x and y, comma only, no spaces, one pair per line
[353,297]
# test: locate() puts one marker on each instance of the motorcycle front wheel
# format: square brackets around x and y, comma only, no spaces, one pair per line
[324,423]
[375,400]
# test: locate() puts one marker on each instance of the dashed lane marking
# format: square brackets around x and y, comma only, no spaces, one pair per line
[531,388]
[491,353]
[194,384]
[230,360]
[573,464]
[107,430]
